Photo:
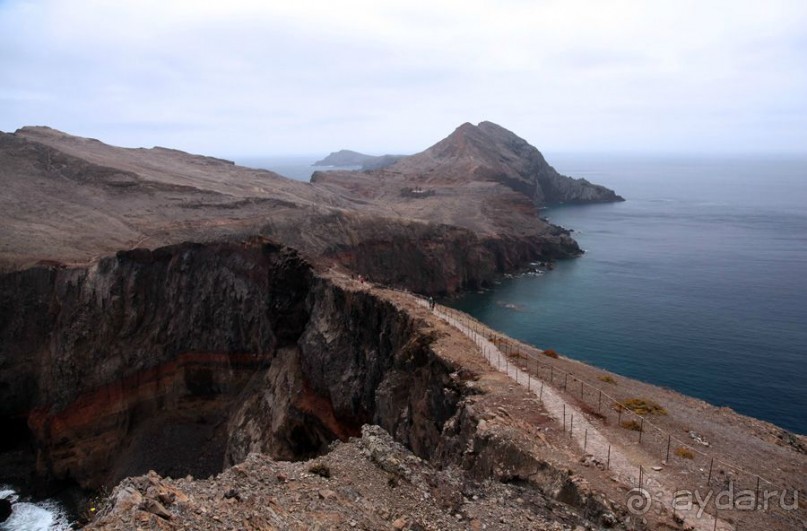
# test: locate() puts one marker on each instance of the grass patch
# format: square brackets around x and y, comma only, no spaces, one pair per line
[683,451]
[550,353]
[607,378]
[641,406]
[631,425]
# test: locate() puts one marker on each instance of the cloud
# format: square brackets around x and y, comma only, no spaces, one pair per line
[252,78]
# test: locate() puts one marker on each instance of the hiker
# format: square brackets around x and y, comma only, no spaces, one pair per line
[431,303]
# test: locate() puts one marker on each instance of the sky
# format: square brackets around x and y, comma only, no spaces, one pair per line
[279,77]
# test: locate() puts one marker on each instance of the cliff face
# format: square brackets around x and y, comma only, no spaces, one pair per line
[230,347]
[90,355]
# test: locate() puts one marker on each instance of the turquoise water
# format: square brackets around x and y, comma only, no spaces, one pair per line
[698,282]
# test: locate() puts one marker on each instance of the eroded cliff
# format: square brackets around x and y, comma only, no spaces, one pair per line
[118,367]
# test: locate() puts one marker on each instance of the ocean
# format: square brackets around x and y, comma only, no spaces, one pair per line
[698,282]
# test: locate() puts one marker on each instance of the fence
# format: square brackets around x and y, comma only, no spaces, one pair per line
[696,469]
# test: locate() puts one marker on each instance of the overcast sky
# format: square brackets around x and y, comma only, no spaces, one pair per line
[237,78]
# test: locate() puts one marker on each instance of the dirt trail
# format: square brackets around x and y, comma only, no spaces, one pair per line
[621,464]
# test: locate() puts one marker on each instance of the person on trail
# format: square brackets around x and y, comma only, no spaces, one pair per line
[431,303]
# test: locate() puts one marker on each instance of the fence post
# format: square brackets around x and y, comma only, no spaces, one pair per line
[669,440]
[608,462]
[585,440]
[581,389]
[541,394]
[571,425]
[599,401]
[756,495]
[564,418]
[711,462]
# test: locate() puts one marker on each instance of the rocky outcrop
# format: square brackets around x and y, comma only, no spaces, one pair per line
[370,482]
[444,259]
[488,153]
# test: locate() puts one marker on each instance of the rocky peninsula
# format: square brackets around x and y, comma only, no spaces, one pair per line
[166,315]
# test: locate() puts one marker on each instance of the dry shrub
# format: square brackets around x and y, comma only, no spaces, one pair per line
[551,353]
[607,378]
[641,406]
[631,425]
[683,451]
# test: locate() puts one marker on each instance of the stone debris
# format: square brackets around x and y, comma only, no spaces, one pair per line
[698,439]
[358,493]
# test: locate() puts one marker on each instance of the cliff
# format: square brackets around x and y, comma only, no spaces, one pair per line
[116,368]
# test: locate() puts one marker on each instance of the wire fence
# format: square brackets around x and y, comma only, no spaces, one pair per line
[698,472]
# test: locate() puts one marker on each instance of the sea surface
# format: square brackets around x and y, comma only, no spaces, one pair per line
[698,282]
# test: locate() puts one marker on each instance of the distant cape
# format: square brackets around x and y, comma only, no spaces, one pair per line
[346,158]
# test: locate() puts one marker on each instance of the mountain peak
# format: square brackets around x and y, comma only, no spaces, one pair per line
[489,152]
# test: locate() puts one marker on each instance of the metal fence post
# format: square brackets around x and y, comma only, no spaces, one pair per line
[669,440]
